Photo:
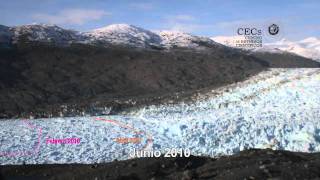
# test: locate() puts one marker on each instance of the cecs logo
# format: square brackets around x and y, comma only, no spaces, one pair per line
[249,31]
[273,29]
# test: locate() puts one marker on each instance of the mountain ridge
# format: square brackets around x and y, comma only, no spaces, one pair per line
[137,37]
[118,34]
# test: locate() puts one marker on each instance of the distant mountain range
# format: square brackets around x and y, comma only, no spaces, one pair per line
[309,47]
[129,35]
[119,34]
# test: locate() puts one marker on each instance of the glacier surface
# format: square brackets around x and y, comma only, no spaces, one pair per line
[278,109]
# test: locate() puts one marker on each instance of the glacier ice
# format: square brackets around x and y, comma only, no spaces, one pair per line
[278,109]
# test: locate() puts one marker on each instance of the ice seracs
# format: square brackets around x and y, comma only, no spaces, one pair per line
[276,109]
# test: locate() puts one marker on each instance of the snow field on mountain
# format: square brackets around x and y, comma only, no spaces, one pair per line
[309,47]
[118,34]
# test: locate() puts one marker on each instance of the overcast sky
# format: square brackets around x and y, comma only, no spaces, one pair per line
[297,18]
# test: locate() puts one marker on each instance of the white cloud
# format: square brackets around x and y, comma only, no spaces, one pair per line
[71,16]
[190,27]
[181,22]
[230,24]
[142,6]
[183,17]
[184,23]
[179,18]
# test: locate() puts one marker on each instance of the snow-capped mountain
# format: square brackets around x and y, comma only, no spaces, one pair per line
[227,40]
[119,34]
[309,47]
[129,35]
[181,39]
[124,34]
[44,33]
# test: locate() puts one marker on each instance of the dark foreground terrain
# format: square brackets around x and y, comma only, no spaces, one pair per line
[44,80]
[249,164]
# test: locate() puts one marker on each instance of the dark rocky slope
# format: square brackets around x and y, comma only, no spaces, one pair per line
[40,78]
[45,80]
[250,164]
[285,60]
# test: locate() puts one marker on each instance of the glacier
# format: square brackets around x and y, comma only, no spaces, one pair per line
[278,109]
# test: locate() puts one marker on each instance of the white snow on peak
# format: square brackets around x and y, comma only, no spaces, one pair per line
[119,34]
[227,40]
[181,39]
[135,36]
[173,34]
[124,34]
[268,49]
[309,47]
[311,40]
[119,28]
[44,33]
